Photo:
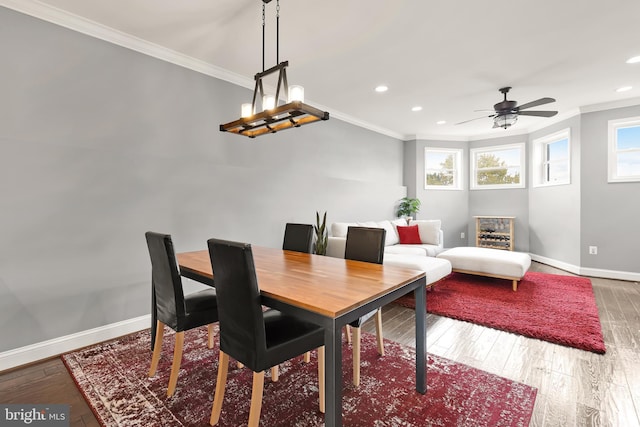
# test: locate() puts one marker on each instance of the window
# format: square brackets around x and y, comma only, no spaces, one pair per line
[624,150]
[497,167]
[442,168]
[552,159]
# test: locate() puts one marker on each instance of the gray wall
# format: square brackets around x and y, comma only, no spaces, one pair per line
[609,212]
[507,202]
[100,144]
[450,206]
[554,212]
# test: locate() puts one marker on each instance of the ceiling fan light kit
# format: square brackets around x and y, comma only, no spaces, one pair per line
[507,112]
[505,121]
[274,117]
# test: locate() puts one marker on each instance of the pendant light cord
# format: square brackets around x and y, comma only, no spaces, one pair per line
[277,32]
[263,26]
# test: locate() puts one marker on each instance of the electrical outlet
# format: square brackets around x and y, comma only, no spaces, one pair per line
[462,235]
[593,250]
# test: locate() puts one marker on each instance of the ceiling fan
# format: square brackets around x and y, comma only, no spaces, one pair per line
[506,112]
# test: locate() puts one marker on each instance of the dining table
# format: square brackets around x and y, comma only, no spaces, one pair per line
[330,292]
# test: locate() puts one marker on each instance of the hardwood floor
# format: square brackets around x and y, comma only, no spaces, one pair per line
[575,388]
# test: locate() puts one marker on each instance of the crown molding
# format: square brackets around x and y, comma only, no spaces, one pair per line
[94,29]
[628,102]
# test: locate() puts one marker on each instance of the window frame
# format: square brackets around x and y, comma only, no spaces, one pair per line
[457,170]
[613,152]
[473,176]
[541,161]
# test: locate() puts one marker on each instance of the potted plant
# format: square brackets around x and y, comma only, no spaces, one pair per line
[408,207]
[320,247]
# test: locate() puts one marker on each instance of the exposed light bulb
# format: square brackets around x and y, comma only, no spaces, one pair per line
[268,102]
[296,93]
[246,110]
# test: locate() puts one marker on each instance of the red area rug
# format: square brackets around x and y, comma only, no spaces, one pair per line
[113,378]
[555,308]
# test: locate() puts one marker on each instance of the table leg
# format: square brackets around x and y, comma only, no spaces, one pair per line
[333,376]
[421,339]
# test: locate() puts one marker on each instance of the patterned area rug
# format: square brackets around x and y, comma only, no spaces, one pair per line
[113,378]
[555,308]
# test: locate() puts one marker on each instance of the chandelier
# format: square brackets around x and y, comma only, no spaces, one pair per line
[274,116]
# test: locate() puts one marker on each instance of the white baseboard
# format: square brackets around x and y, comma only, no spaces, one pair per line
[43,350]
[557,264]
[585,271]
[610,274]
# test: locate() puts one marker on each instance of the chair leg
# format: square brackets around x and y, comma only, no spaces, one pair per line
[321,393]
[274,373]
[307,357]
[175,366]
[356,357]
[157,348]
[221,383]
[379,332]
[256,399]
[347,332]
[210,334]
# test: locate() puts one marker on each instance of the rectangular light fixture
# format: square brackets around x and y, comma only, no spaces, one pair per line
[293,114]
[271,120]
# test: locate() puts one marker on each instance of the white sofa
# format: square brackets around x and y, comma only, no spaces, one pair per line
[420,256]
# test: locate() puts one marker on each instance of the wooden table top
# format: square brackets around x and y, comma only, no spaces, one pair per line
[325,285]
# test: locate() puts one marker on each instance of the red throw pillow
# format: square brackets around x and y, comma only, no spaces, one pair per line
[409,235]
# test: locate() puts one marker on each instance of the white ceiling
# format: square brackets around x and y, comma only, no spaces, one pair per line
[450,57]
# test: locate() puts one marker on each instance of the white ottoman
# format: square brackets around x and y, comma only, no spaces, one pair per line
[488,262]
[434,268]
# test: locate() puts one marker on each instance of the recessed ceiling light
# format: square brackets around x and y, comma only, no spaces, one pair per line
[416,108]
[381,88]
[441,122]
[624,89]
[633,60]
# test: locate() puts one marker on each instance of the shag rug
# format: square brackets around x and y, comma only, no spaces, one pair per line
[550,307]
[113,379]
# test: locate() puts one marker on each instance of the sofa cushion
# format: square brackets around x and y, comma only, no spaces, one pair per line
[339,229]
[488,261]
[409,235]
[429,230]
[423,250]
[391,236]
[434,268]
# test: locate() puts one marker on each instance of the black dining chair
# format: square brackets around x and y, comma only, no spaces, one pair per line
[365,244]
[172,308]
[298,237]
[256,338]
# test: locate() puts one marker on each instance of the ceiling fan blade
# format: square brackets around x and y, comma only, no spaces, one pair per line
[477,118]
[538,113]
[537,102]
